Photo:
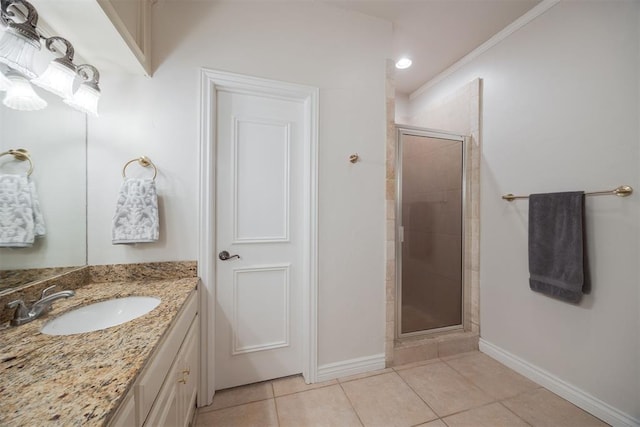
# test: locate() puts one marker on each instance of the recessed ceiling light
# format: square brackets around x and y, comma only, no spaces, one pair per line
[403,63]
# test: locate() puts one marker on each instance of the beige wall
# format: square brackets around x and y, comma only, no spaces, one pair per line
[554,121]
[343,54]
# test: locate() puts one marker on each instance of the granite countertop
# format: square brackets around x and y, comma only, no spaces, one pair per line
[81,379]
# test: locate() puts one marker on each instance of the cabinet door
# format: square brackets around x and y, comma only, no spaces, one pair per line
[126,415]
[166,408]
[190,359]
[176,400]
[132,19]
[154,375]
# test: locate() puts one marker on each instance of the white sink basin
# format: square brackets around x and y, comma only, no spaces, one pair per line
[100,315]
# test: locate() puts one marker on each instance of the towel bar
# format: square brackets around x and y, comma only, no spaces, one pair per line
[622,191]
[142,161]
[22,155]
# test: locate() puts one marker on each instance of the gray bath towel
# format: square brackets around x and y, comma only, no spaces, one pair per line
[136,217]
[556,245]
[21,219]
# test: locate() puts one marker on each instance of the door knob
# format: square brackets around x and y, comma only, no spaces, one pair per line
[224,256]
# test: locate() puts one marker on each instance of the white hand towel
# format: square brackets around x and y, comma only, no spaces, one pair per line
[21,219]
[136,217]
[38,218]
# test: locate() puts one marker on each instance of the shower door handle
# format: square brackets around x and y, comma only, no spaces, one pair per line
[224,256]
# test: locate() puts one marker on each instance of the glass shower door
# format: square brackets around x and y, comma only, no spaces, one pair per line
[431,229]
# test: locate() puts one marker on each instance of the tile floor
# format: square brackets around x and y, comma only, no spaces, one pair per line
[468,389]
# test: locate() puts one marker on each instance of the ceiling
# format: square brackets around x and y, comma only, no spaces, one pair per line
[437,33]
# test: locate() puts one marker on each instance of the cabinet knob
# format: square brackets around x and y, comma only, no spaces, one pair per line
[183,381]
[187,371]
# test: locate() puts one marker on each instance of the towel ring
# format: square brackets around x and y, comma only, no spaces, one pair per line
[142,161]
[22,155]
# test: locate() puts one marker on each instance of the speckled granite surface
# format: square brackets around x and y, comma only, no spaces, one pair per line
[12,278]
[98,274]
[146,271]
[81,379]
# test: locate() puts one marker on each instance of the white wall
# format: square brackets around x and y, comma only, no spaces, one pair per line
[560,112]
[340,52]
[402,110]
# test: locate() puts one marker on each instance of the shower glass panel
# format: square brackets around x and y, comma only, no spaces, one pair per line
[430,209]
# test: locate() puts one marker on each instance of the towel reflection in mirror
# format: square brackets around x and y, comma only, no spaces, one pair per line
[21,219]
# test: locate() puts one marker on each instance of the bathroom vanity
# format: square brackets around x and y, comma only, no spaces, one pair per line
[143,372]
[164,394]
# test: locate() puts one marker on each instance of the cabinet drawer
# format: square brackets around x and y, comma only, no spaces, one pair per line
[153,375]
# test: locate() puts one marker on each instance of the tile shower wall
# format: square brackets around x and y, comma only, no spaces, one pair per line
[390,200]
[460,112]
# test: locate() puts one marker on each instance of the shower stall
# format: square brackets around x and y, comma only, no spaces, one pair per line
[430,232]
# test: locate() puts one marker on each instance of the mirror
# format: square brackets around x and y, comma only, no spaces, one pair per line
[55,138]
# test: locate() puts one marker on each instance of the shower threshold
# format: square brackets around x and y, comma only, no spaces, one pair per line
[432,346]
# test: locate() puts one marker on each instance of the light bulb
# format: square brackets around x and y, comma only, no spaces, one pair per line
[403,63]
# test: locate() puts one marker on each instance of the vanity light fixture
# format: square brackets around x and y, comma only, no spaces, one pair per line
[403,63]
[59,76]
[21,96]
[86,97]
[19,45]
[21,41]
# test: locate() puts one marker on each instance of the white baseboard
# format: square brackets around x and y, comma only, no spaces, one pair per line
[360,365]
[578,397]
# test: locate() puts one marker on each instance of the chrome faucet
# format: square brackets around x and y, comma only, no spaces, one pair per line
[24,314]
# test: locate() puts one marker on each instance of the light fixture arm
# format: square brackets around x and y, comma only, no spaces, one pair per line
[4,13]
[92,80]
[67,58]
[26,28]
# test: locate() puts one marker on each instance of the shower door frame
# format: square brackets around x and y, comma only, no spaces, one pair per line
[438,134]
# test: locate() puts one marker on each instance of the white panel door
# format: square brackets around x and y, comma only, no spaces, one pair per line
[259,210]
